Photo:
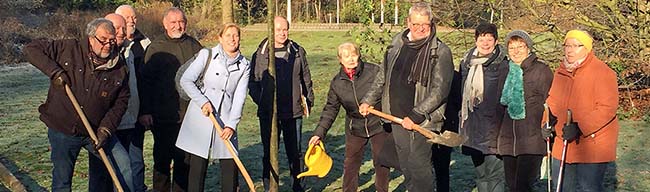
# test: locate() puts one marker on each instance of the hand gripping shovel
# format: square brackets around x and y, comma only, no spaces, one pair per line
[241,167]
[562,162]
[102,154]
[447,138]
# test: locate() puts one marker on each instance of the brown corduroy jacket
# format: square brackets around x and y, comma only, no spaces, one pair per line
[591,92]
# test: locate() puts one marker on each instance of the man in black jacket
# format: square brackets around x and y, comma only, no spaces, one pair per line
[161,107]
[294,96]
[97,76]
[414,84]
[346,89]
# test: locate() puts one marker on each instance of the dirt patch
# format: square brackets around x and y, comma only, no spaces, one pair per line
[635,104]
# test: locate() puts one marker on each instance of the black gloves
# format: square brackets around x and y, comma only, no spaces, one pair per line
[571,131]
[548,133]
[103,134]
[61,79]
[552,120]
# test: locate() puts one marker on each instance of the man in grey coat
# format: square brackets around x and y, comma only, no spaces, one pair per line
[414,83]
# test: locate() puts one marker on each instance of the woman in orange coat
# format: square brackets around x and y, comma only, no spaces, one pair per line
[588,87]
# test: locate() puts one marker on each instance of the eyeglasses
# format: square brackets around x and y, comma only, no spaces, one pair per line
[517,47]
[418,25]
[104,43]
[572,46]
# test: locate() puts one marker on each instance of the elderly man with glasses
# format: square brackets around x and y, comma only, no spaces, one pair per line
[414,83]
[97,76]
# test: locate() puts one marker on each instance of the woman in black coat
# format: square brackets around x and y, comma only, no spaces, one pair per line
[520,141]
[346,89]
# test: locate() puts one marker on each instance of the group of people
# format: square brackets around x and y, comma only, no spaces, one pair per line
[125,84]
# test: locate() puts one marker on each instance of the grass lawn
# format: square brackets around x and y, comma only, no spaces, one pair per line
[24,148]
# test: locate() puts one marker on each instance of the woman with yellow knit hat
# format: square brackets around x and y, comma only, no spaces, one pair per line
[587,87]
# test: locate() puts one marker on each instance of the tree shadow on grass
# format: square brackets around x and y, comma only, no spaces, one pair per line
[29,182]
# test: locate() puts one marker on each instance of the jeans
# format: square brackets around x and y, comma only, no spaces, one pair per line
[291,130]
[127,137]
[65,150]
[133,140]
[579,176]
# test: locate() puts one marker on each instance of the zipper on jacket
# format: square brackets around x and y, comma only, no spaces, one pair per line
[514,136]
[356,100]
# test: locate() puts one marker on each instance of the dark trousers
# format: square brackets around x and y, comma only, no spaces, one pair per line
[441,156]
[65,150]
[489,172]
[132,140]
[291,130]
[522,171]
[354,149]
[199,167]
[580,176]
[414,154]
[164,151]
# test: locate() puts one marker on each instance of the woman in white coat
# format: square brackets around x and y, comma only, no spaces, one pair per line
[224,92]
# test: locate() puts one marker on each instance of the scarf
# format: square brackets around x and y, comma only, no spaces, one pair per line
[421,69]
[570,67]
[350,72]
[473,88]
[513,92]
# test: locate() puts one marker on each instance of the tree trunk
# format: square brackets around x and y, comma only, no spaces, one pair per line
[274,180]
[396,17]
[381,17]
[317,10]
[289,11]
[249,19]
[227,11]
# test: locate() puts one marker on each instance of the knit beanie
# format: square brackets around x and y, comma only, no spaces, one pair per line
[523,35]
[582,37]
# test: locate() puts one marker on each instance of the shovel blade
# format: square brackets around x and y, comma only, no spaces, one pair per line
[449,139]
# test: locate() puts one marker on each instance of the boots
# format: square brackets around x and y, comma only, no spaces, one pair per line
[161,182]
[267,184]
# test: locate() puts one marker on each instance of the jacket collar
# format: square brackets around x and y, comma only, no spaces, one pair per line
[86,51]
[292,47]
[177,40]
[529,61]
[357,72]
[589,59]
[137,35]
[218,51]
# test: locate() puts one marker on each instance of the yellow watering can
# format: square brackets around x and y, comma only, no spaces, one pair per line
[318,162]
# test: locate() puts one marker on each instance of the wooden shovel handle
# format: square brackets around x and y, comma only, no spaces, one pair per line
[426,133]
[241,167]
[102,154]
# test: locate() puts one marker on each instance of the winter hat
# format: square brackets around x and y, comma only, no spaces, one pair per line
[581,36]
[523,35]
